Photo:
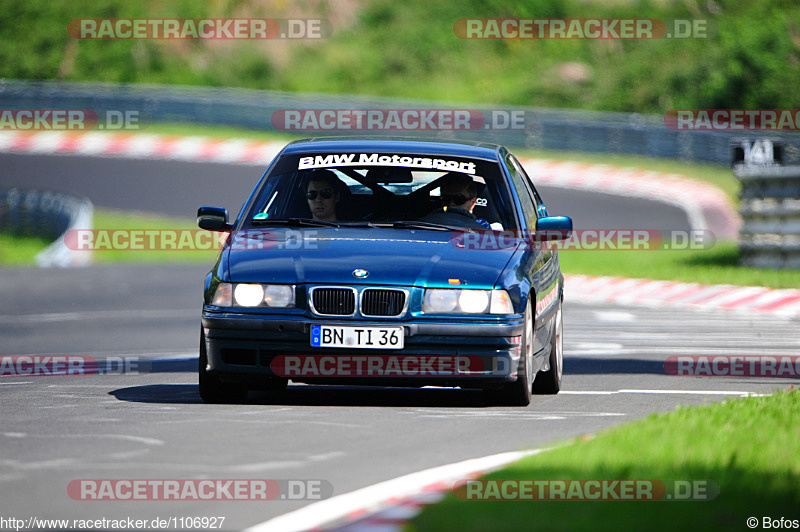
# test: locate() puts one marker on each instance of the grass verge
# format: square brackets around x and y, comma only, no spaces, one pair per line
[20,250]
[749,448]
[124,220]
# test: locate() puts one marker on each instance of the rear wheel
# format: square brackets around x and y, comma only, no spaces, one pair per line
[549,382]
[211,389]
[518,393]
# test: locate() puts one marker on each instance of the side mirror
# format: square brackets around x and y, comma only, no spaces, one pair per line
[553,228]
[213,219]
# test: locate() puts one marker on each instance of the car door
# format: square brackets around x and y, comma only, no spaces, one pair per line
[545,270]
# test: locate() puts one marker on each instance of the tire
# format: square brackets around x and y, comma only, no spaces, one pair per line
[211,389]
[518,393]
[274,384]
[549,382]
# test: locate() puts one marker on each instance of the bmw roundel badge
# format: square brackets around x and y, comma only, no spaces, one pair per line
[361,274]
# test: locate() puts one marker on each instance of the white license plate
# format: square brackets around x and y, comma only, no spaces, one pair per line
[357,337]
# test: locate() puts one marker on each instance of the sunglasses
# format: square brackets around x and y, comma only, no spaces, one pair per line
[326,193]
[457,199]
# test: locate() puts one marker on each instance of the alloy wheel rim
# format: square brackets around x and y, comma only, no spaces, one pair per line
[529,349]
[559,346]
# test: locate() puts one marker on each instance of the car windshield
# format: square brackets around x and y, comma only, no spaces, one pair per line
[351,189]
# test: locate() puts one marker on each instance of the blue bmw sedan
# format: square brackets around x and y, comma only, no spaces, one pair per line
[386,262]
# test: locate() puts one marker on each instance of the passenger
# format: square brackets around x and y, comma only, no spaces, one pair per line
[459,194]
[323,191]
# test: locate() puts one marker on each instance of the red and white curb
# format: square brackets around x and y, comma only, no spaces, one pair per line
[140,146]
[386,506]
[646,292]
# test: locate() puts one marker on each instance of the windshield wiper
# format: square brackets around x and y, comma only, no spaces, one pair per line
[429,225]
[358,224]
[294,222]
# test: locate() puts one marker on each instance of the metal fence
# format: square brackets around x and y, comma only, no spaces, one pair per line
[47,215]
[770,207]
[551,129]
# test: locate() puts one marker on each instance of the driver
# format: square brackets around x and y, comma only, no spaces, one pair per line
[459,194]
[323,192]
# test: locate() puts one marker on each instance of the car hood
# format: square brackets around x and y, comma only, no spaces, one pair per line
[396,257]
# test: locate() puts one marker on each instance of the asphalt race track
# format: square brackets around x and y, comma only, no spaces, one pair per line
[152,424]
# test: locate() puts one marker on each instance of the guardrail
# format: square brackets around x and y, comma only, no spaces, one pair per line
[770,208]
[48,215]
[552,129]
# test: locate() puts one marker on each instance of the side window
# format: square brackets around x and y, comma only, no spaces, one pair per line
[529,185]
[522,185]
[540,208]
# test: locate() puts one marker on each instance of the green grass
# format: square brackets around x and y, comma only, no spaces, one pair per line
[717,265]
[125,220]
[20,250]
[749,448]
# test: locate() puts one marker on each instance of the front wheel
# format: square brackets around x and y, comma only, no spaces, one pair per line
[549,382]
[211,389]
[518,393]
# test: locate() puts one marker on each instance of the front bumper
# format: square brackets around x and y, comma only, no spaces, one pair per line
[469,353]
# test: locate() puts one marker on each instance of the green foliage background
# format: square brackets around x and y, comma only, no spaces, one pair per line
[409,49]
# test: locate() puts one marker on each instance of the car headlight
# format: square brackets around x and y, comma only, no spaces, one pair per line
[279,295]
[248,295]
[254,295]
[473,301]
[501,303]
[439,300]
[223,297]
